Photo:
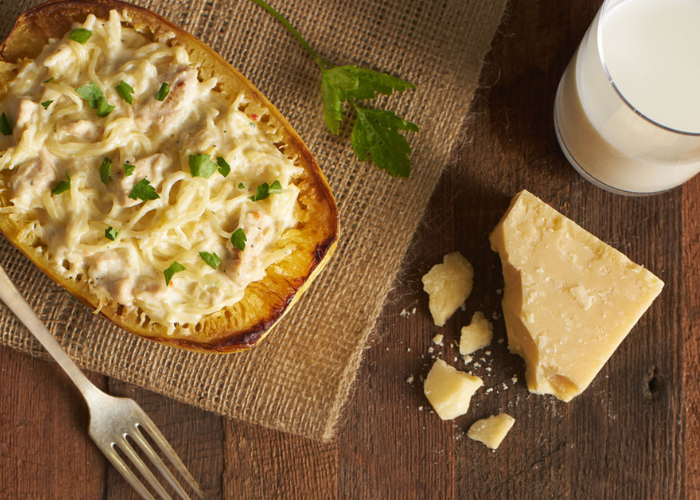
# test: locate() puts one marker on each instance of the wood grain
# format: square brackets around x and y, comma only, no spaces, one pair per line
[45,451]
[631,435]
[691,333]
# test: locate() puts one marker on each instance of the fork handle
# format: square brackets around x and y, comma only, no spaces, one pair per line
[14,300]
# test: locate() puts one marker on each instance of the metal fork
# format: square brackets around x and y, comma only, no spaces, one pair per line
[112,419]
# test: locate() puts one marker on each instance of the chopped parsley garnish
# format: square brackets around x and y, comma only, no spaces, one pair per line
[202,166]
[111,234]
[95,99]
[175,267]
[47,81]
[211,259]
[143,191]
[238,239]
[125,90]
[224,167]
[46,104]
[129,169]
[81,35]
[275,187]
[241,185]
[5,125]
[105,171]
[62,186]
[264,190]
[163,91]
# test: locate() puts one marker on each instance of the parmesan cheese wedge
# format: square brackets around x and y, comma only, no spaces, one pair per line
[569,299]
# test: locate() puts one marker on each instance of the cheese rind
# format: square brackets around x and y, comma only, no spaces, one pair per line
[448,285]
[492,430]
[569,299]
[450,390]
[477,335]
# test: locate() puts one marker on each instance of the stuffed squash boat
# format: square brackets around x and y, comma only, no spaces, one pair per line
[150,179]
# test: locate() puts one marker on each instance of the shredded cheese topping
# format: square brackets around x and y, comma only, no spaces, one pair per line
[156,138]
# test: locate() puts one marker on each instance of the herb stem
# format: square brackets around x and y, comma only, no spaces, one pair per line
[321,63]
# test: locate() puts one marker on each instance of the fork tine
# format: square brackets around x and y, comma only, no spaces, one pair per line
[156,460]
[145,471]
[160,440]
[119,464]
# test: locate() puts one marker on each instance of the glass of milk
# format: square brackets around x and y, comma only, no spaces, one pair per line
[627,111]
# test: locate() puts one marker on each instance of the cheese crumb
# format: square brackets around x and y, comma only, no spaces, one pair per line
[410,379]
[448,286]
[491,431]
[477,335]
[450,390]
[437,339]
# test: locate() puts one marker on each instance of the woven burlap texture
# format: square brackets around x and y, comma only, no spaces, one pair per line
[298,379]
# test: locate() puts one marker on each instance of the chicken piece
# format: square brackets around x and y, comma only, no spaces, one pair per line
[32,179]
[246,266]
[169,114]
[152,168]
[108,272]
[27,112]
[61,60]
[80,131]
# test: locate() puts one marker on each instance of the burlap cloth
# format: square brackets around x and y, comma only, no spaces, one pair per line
[298,379]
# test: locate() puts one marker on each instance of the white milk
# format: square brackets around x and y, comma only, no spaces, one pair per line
[652,52]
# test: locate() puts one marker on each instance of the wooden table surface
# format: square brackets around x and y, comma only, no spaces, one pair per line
[630,435]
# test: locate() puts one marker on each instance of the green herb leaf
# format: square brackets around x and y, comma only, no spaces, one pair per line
[81,35]
[370,83]
[47,81]
[125,90]
[105,171]
[5,125]
[241,185]
[143,191]
[376,132]
[224,167]
[335,83]
[46,104]
[238,239]
[90,92]
[62,186]
[373,134]
[163,91]
[202,166]
[103,107]
[95,99]
[211,259]
[174,268]
[111,234]
[264,190]
[129,169]
[275,188]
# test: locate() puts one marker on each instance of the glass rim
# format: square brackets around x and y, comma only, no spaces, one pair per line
[599,36]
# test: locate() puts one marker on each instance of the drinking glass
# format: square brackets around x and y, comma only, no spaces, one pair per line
[603,127]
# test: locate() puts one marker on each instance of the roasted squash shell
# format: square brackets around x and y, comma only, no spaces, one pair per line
[247,322]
